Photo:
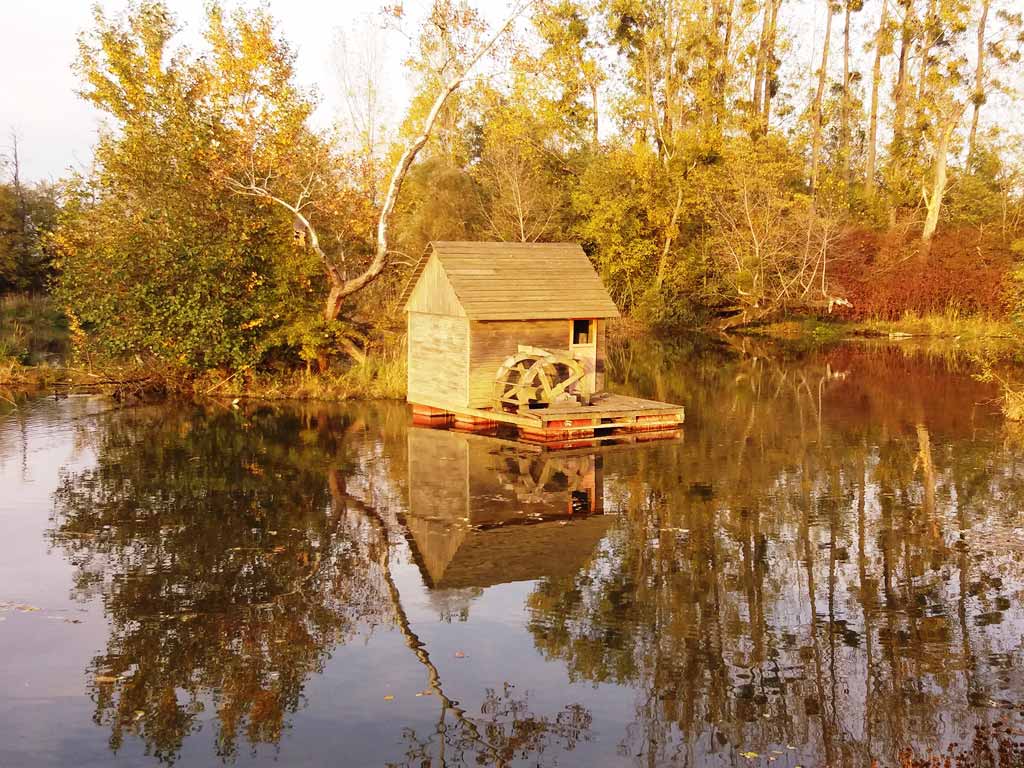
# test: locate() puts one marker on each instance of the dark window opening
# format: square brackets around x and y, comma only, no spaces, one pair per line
[581,503]
[582,332]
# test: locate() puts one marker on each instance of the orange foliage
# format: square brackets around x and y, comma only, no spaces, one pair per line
[884,275]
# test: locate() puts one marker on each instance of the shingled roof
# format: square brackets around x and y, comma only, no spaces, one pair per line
[518,281]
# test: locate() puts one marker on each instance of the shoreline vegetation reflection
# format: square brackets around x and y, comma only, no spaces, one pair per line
[826,569]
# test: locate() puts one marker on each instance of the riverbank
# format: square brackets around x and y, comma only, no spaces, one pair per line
[974,330]
[34,342]
[375,378]
[33,331]
[35,348]
[380,376]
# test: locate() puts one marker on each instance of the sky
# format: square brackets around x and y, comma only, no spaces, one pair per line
[56,129]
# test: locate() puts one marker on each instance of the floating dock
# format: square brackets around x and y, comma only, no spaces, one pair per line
[608,417]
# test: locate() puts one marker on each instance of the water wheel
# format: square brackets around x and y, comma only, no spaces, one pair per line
[536,378]
[551,481]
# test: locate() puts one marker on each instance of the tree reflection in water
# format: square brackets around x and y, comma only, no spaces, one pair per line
[231,558]
[829,566]
[831,561]
[508,731]
[223,568]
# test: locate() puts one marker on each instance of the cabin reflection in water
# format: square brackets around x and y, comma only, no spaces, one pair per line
[484,511]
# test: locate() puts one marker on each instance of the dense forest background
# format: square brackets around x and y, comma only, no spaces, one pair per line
[720,162]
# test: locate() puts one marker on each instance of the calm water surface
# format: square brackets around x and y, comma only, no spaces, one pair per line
[827,568]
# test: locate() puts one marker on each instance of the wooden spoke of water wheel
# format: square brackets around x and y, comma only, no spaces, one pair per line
[535,376]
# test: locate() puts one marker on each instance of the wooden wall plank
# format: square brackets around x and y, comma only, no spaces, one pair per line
[438,359]
[491,342]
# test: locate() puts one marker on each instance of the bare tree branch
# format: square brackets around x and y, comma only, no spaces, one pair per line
[380,258]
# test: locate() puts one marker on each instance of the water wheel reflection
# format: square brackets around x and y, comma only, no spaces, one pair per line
[484,511]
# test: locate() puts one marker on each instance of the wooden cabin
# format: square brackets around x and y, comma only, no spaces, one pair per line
[472,305]
[516,333]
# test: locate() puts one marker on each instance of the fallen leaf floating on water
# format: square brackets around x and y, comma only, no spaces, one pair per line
[749,755]
[389,697]
[460,655]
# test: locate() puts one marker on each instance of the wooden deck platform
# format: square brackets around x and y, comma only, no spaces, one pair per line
[608,417]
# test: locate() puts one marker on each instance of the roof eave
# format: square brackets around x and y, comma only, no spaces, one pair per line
[527,316]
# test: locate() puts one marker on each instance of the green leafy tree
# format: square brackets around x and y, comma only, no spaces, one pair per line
[156,257]
[27,215]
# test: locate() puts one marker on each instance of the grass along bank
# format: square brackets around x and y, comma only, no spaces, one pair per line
[33,331]
[380,376]
[950,325]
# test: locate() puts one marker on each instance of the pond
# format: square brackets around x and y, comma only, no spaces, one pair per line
[826,568]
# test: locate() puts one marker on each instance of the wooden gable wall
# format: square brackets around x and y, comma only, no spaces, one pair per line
[438,342]
[434,294]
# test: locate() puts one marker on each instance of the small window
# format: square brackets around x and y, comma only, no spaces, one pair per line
[582,331]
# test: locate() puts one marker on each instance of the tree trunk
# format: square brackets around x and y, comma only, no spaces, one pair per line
[899,123]
[818,97]
[761,68]
[666,250]
[844,129]
[928,39]
[978,97]
[721,82]
[927,462]
[770,64]
[380,258]
[933,200]
[876,79]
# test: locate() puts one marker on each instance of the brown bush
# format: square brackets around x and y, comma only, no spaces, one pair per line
[884,274]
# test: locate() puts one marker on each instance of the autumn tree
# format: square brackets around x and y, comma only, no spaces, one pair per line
[27,215]
[940,102]
[453,41]
[882,45]
[519,174]
[156,258]
[675,56]
[570,57]
[765,66]
[819,96]
[998,48]
[623,124]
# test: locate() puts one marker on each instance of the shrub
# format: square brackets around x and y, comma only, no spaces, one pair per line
[883,276]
